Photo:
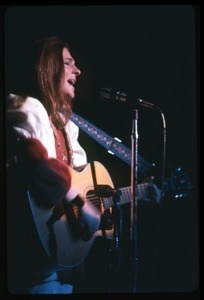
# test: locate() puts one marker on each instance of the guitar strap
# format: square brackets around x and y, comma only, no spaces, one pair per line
[93,171]
[111,144]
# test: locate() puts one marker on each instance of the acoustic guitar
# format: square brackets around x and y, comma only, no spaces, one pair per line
[56,226]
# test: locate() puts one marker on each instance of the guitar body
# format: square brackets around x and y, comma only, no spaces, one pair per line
[56,226]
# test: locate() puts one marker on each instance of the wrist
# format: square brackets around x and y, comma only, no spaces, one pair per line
[71,194]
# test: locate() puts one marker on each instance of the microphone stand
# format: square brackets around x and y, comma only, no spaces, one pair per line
[115,259]
[133,209]
[117,221]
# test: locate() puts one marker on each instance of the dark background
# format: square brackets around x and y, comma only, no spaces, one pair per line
[149,52]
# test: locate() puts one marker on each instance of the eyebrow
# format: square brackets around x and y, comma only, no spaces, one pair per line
[70,59]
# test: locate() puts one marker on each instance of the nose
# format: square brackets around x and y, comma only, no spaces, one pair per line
[76,71]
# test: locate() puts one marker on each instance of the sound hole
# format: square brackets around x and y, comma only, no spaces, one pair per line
[93,199]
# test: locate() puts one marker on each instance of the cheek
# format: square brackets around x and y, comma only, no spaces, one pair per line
[66,76]
[67,71]
[65,79]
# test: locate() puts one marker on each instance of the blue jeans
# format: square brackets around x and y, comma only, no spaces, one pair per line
[51,285]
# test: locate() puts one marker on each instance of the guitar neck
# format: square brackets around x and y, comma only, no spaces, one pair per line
[178,183]
[126,195]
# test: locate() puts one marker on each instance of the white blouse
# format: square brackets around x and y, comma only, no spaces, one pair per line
[31,121]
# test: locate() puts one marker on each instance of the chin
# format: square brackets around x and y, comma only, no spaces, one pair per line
[70,95]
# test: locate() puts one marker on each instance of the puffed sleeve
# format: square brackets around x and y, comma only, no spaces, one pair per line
[48,179]
[30,120]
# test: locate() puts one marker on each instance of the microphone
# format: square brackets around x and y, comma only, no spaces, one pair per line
[112,94]
[104,190]
[145,103]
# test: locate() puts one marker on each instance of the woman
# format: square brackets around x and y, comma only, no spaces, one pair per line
[42,149]
[42,143]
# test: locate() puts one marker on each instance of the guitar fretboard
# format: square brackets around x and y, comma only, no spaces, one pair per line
[126,195]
